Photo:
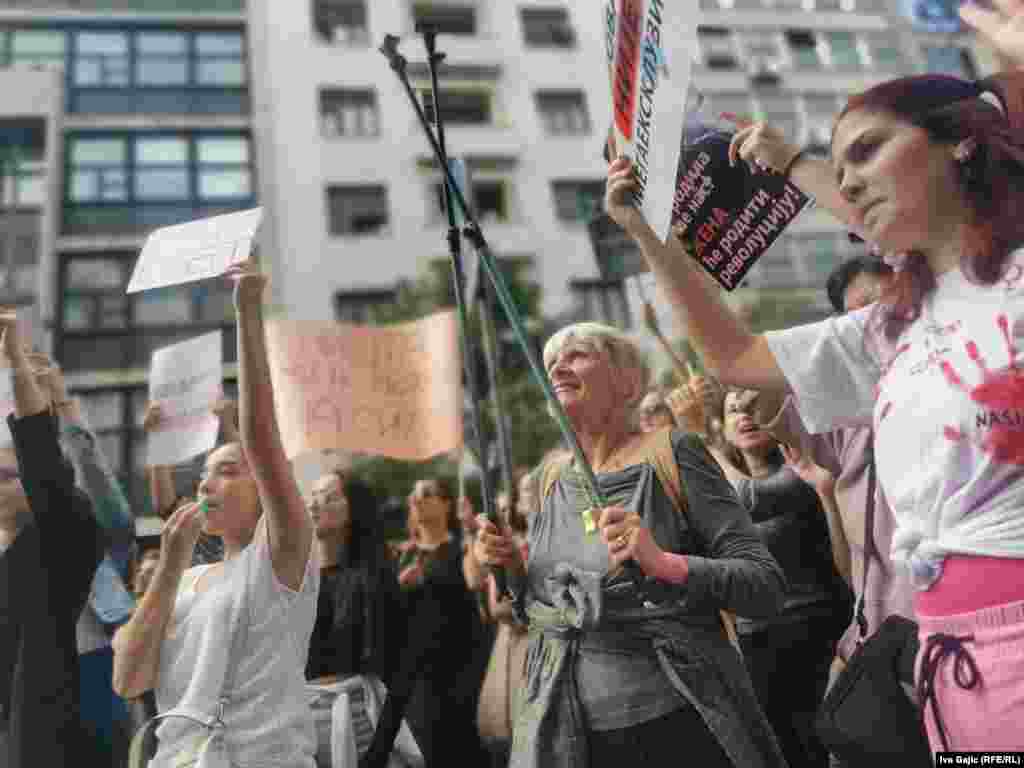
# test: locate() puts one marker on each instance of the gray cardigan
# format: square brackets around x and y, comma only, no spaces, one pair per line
[730,569]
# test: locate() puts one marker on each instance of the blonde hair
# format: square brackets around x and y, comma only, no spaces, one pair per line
[621,350]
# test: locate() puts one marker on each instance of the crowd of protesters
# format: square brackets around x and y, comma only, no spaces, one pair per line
[703,611]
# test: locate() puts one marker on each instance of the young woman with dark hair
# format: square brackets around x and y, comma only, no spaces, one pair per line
[929,166]
[356,621]
[788,655]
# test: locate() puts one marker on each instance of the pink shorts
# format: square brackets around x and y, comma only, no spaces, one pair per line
[973,664]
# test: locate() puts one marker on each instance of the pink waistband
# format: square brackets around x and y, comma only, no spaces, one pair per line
[970,583]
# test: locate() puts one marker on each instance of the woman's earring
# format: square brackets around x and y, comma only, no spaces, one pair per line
[964,151]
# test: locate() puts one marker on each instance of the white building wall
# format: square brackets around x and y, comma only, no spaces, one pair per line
[296,164]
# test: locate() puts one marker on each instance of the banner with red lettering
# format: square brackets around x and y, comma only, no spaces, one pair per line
[649,46]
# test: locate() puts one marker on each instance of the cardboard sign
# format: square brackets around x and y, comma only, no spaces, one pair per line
[389,390]
[726,215]
[649,45]
[194,251]
[186,379]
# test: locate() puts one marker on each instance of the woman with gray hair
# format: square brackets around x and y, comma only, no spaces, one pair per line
[618,670]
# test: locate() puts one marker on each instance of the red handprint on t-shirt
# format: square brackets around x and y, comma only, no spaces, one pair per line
[1001,395]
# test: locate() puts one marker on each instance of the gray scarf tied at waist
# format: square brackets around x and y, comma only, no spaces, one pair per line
[699,661]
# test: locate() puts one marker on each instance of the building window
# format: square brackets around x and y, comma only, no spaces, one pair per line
[22,164]
[349,113]
[32,47]
[161,58]
[357,210]
[223,168]
[564,113]
[603,301]
[490,201]
[101,59]
[578,201]
[341,21]
[446,19]
[162,71]
[547,27]
[718,48]
[460,107]
[844,52]
[366,307]
[220,59]
[100,327]
[803,47]
[99,170]
[886,53]
[764,52]
[951,60]
[133,183]
[820,110]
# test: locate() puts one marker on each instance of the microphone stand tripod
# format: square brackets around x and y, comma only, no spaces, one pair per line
[475,235]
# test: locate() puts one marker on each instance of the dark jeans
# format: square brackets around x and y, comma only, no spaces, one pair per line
[789,666]
[682,733]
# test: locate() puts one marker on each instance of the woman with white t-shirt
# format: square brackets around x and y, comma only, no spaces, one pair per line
[931,167]
[224,646]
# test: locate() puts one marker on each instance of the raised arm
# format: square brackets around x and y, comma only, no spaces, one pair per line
[765,149]
[161,477]
[288,523]
[137,644]
[109,502]
[47,477]
[733,354]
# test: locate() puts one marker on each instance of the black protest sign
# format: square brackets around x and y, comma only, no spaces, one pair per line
[727,216]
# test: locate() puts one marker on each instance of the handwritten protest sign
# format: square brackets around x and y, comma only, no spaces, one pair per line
[649,46]
[186,379]
[389,390]
[197,250]
[727,216]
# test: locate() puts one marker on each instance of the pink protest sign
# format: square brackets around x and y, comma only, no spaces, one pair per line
[389,390]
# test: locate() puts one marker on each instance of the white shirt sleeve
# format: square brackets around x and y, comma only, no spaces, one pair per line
[832,369]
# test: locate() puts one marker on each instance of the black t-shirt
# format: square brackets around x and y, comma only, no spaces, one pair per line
[45,578]
[790,520]
[359,619]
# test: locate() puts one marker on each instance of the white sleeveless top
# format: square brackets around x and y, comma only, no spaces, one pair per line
[267,720]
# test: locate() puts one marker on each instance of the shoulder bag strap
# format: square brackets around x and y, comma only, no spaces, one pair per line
[138,751]
[870,551]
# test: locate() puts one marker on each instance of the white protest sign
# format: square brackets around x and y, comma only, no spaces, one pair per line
[649,45]
[186,379]
[197,250]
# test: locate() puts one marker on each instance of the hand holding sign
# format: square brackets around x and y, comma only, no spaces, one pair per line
[761,146]
[618,197]
[249,283]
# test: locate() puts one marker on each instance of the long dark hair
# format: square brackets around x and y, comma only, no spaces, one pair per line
[365,545]
[951,110]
